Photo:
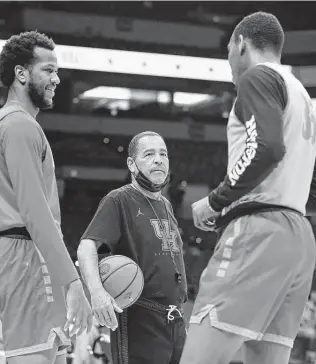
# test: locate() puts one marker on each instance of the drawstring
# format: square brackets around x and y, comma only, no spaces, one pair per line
[171,309]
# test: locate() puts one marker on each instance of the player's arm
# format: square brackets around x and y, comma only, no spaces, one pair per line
[104,228]
[23,147]
[260,104]
[88,263]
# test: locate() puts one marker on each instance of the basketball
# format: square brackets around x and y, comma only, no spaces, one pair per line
[122,278]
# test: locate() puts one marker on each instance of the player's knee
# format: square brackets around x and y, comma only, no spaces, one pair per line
[265,352]
[205,341]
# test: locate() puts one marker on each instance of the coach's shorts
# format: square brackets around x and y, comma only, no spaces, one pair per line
[257,283]
[32,307]
[147,336]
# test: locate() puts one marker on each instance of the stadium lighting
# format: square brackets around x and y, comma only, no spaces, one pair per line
[151,64]
[105,92]
[163,97]
[189,99]
[141,63]
[125,94]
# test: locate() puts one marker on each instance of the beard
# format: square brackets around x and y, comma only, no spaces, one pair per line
[37,96]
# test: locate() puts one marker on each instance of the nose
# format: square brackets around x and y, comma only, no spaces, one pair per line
[55,79]
[158,159]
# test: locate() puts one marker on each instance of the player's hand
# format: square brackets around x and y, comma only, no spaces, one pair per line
[79,315]
[204,218]
[104,307]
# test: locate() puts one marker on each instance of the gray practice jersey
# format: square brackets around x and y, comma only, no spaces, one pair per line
[271,143]
[28,189]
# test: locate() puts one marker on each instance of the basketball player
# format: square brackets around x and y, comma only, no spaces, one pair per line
[255,287]
[138,222]
[36,272]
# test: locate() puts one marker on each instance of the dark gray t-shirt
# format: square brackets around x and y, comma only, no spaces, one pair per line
[127,224]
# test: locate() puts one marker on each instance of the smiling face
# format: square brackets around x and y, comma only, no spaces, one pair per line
[151,159]
[43,78]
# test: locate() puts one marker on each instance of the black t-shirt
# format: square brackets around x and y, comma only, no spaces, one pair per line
[127,224]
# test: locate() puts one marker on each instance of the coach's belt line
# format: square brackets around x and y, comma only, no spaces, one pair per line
[153,305]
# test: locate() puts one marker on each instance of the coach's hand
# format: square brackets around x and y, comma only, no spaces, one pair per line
[79,315]
[203,216]
[103,307]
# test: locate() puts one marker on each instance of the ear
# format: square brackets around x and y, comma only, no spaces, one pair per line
[21,74]
[131,164]
[241,44]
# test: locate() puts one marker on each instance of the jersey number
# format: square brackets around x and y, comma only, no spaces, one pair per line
[309,125]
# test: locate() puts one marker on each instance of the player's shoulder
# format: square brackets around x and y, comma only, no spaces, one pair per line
[264,81]
[17,121]
[14,113]
[261,75]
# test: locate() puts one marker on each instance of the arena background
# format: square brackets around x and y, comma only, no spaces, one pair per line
[128,67]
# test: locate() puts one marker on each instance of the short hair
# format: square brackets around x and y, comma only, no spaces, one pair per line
[264,31]
[19,50]
[133,145]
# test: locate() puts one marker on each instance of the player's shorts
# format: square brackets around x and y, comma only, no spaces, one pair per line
[146,335]
[32,306]
[257,283]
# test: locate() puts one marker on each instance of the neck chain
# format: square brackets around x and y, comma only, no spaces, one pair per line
[165,237]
